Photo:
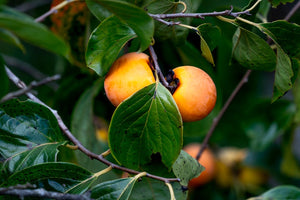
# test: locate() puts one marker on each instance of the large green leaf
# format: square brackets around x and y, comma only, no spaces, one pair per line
[287,192]
[146,128]
[24,125]
[35,33]
[186,168]
[105,43]
[286,34]
[52,170]
[136,18]
[253,52]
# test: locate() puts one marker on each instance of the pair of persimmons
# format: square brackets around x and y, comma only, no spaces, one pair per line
[195,95]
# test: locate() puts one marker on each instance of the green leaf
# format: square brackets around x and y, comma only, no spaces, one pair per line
[146,128]
[24,125]
[280,193]
[186,168]
[283,75]
[4,82]
[115,189]
[136,18]
[151,189]
[97,10]
[206,53]
[35,33]
[253,52]
[284,69]
[55,170]
[286,34]
[276,3]
[211,34]
[84,185]
[10,38]
[39,154]
[105,43]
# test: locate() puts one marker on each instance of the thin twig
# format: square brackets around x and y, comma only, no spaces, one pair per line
[221,113]
[74,140]
[42,193]
[198,15]
[53,10]
[28,69]
[292,12]
[161,77]
[156,67]
[32,85]
[27,6]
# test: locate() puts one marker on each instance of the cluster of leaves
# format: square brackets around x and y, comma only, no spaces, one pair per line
[146,130]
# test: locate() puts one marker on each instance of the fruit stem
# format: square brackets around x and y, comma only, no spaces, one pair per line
[171,191]
[159,73]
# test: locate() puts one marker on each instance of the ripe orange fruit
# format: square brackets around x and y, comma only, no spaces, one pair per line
[207,160]
[128,74]
[195,94]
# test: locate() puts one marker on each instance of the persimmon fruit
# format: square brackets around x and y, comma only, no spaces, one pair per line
[128,74]
[207,160]
[195,94]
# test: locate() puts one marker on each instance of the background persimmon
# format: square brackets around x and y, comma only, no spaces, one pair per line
[207,160]
[128,74]
[196,93]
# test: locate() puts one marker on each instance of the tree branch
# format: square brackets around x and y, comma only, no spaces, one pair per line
[74,140]
[292,12]
[29,69]
[54,10]
[159,17]
[41,193]
[221,113]
[32,85]
[27,6]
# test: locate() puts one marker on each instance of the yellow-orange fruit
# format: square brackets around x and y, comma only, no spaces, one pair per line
[207,160]
[196,93]
[128,74]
